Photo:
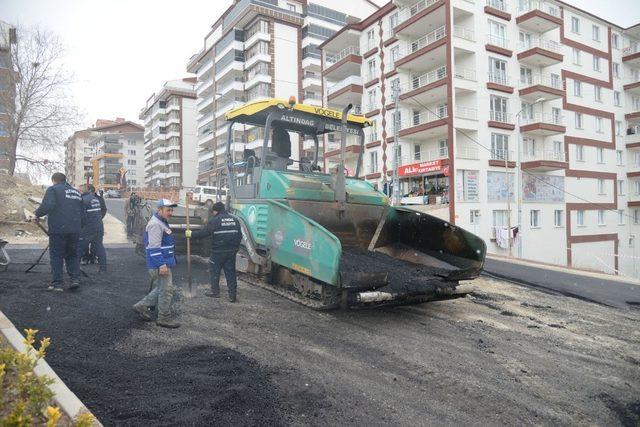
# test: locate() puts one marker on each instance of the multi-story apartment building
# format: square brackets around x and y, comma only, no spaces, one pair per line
[171,150]
[237,64]
[522,113]
[116,153]
[79,152]
[7,38]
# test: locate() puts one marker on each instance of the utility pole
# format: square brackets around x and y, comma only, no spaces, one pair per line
[508,184]
[395,199]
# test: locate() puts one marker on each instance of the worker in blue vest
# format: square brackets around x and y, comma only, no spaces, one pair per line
[161,258]
[92,232]
[62,204]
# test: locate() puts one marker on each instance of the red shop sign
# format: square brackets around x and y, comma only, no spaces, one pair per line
[420,168]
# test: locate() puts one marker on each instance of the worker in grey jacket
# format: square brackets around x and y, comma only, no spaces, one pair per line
[160,248]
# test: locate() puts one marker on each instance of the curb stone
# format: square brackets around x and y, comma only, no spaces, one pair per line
[63,396]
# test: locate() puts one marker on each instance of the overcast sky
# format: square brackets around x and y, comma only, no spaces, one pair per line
[121,51]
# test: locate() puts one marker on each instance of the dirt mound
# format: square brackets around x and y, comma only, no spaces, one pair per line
[14,197]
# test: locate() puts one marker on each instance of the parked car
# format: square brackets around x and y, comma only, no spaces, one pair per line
[205,195]
[112,194]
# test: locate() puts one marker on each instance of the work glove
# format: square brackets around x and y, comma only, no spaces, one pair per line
[187,234]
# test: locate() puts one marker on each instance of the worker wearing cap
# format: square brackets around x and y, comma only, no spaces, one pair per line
[160,249]
[93,229]
[62,204]
[225,233]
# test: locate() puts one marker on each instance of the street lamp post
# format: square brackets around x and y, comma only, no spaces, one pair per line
[396,124]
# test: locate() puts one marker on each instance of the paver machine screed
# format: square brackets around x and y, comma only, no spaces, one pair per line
[331,240]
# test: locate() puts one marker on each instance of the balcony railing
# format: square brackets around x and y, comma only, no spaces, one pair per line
[351,80]
[332,59]
[426,79]
[414,10]
[426,40]
[471,153]
[501,79]
[549,45]
[529,5]
[425,156]
[500,116]
[423,118]
[553,155]
[501,154]
[630,50]
[499,41]
[464,33]
[554,82]
[466,113]
[633,130]
[498,4]
[465,74]
[554,119]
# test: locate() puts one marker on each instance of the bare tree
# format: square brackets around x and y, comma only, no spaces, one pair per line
[41,113]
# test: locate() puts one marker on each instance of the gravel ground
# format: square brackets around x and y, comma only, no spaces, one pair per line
[505,355]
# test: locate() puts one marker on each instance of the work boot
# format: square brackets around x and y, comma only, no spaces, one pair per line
[142,311]
[167,323]
[56,287]
[232,298]
[102,269]
[212,294]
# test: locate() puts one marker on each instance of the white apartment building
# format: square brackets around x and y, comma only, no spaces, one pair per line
[540,92]
[8,37]
[79,151]
[114,154]
[237,64]
[171,146]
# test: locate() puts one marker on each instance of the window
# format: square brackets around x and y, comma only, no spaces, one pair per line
[616,70]
[580,153]
[595,33]
[615,41]
[131,162]
[467,185]
[498,109]
[616,98]
[497,34]
[372,99]
[443,148]
[499,146]
[619,158]
[580,218]
[575,25]
[601,217]
[578,119]
[599,125]
[597,93]
[373,161]
[132,152]
[557,218]
[525,40]
[498,71]
[576,56]
[596,63]
[500,218]
[417,154]
[534,216]
[621,217]
[526,76]
[618,127]
[637,187]
[621,187]
[291,7]
[395,54]
[474,217]
[577,88]
[636,216]
[601,190]
[371,70]
[600,154]
[393,21]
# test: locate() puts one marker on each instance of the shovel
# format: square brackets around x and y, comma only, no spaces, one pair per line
[190,293]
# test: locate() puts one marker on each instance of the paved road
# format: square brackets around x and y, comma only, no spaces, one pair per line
[609,292]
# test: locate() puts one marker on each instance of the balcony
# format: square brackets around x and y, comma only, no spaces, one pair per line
[204,87]
[633,137]
[466,118]
[467,153]
[419,18]
[311,80]
[544,160]
[538,16]
[541,86]
[499,45]
[413,54]
[424,156]
[231,85]
[501,120]
[540,52]
[346,91]
[351,151]
[542,124]
[633,86]
[631,56]
[464,33]
[343,64]
[426,124]
[312,98]
[499,157]
[427,88]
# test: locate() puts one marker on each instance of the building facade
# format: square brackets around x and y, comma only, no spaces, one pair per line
[7,91]
[237,64]
[79,151]
[171,151]
[117,155]
[521,114]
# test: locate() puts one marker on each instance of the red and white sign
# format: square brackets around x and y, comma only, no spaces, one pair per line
[420,168]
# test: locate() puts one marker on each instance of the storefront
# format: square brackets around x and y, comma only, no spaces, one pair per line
[424,182]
